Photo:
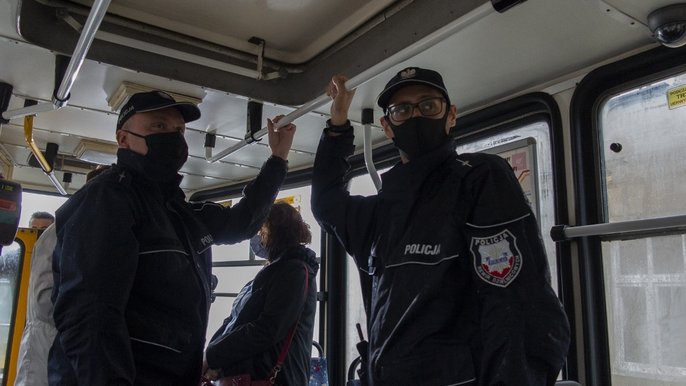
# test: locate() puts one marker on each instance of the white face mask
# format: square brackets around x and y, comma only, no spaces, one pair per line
[258,248]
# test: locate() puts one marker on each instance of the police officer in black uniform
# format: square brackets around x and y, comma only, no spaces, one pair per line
[459,285]
[132,264]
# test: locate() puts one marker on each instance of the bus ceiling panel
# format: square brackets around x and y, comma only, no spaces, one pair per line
[8,15]
[294,30]
[27,68]
[32,178]
[499,58]
[491,58]
[402,23]
[72,120]
[14,135]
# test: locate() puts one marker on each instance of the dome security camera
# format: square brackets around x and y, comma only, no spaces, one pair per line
[668,25]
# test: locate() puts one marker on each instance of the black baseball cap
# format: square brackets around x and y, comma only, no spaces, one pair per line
[155,100]
[410,76]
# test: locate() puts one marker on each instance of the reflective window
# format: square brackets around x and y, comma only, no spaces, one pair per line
[642,137]
[10,264]
[361,186]
[528,150]
[233,278]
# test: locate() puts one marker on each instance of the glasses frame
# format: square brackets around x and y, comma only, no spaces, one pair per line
[389,112]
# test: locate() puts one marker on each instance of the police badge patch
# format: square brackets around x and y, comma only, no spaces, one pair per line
[497,259]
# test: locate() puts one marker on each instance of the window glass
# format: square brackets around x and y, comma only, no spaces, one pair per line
[233,278]
[642,141]
[10,264]
[642,136]
[361,186]
[36,202]
[534,172]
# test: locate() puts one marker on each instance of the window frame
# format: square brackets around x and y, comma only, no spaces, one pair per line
[506,116]
[590,93]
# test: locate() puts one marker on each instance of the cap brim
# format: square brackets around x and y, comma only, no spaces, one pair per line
[189,111]
[385,95]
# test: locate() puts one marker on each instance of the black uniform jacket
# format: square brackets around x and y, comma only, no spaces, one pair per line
[132,269]
[251,338]
[460,286]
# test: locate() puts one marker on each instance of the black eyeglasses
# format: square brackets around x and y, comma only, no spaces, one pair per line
[428,108]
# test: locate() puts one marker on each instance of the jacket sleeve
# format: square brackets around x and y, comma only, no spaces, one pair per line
[41,282]
[95,258]
[524,330]
[284,302]
[349,218]
[234,224]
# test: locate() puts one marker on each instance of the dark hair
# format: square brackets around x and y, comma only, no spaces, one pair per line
[285,228]
[42,215]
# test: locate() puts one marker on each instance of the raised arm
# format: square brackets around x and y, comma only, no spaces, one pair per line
[243,220]
[348,217]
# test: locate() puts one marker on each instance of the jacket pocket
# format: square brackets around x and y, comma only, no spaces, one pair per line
[444,365]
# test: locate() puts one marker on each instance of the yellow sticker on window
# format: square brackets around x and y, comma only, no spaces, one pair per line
[676,97]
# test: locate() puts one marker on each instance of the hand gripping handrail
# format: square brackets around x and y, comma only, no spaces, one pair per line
[372,72]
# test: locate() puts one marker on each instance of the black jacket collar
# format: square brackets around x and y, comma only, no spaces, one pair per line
[405,179]
[136,164]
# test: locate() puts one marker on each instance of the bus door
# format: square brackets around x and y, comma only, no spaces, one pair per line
[628,138]
[15,266]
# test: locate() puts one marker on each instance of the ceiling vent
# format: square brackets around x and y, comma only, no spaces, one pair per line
[126,89]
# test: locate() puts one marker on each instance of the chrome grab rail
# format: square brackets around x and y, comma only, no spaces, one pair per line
[622,229]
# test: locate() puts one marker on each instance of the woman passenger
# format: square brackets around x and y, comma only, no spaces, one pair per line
[282,295]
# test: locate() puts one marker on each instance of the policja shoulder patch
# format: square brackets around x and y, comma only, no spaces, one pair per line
[497,259]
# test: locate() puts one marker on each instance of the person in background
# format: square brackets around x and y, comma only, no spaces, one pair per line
[282,297]
[132,263]
[39,331]
[41,220]
[460,288]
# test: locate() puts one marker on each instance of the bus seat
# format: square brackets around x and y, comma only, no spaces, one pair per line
[319,373]
[351,372]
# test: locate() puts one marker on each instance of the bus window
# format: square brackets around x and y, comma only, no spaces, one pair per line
[10,266]
[642,138]
[362,186]
[528,150]
[35,202]
[235,265]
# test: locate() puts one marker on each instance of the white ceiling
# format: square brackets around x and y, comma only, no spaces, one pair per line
[295,30]
[530,47]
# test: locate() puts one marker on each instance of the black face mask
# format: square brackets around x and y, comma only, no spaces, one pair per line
[167,152]
[420,135]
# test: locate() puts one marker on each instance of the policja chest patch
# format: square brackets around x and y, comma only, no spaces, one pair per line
[497,259]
